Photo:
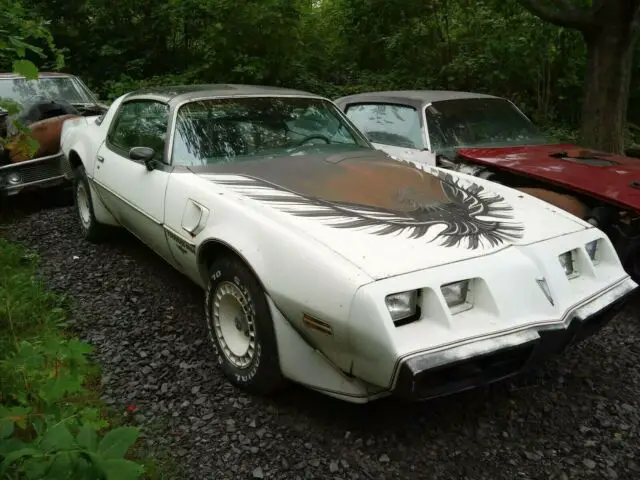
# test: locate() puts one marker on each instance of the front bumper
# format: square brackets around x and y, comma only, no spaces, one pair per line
[452,370]
[33,174]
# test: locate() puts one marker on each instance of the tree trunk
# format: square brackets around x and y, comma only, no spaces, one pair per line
[608,79]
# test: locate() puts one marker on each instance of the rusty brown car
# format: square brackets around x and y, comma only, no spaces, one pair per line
[43,104]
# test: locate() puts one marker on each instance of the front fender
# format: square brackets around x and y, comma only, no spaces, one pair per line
[309,283]
[314,292]
[221,239]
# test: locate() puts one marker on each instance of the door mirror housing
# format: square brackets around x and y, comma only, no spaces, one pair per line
[144,154]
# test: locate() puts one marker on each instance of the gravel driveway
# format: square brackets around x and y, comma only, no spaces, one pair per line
[576,418]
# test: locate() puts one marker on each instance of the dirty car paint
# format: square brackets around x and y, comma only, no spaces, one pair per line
[46,132]
[605,176]
[356,191]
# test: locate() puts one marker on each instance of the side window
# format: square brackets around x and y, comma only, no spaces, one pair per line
[388,124]
[140,124]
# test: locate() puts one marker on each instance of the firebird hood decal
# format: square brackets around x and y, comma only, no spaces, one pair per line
[383,197]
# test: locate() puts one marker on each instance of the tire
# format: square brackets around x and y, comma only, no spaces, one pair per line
[252,367]
[92,230]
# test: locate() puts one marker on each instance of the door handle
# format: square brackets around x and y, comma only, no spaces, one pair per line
[100,158]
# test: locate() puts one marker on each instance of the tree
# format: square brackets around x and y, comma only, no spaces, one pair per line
[19,31]
[609,28]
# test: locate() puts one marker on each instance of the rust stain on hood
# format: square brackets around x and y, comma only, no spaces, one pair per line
[378,184]
[372,180]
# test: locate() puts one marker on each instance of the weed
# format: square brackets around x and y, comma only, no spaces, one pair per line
[52,424]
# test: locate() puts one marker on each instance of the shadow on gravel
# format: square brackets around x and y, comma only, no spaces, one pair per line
[15,207]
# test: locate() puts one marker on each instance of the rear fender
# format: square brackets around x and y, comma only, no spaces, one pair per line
[99,210]
[86,157]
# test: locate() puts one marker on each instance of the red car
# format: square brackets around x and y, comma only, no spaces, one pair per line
[490,137]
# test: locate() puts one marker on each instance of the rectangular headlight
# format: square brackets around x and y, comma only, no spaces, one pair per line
[592,250]
[566,260]
[455,293]
[402,305]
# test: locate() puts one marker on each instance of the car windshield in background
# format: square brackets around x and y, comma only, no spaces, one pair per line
[229,130]
[23,91]
[479,122]
[388,124]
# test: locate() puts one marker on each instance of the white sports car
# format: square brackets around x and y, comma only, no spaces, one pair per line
[325,261]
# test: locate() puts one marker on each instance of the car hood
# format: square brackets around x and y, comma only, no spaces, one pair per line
[389,217]
[611,178]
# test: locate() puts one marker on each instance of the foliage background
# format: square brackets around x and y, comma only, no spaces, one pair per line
[331,47]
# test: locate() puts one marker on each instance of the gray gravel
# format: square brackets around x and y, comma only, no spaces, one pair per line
[576,417]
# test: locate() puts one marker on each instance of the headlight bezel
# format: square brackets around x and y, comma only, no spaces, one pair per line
[412,312]
[595,258]
[572,262]
[464,300]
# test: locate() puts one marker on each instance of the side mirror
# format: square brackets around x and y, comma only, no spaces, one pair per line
[144,154]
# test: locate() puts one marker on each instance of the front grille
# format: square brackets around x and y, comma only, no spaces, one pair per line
[474,371]
[66,169]
[34,172]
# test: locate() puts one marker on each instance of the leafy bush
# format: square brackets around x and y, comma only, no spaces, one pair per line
[51,426]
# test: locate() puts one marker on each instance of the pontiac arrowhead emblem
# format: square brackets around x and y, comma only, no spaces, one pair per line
[542,283]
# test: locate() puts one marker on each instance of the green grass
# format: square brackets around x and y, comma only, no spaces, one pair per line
[50,389]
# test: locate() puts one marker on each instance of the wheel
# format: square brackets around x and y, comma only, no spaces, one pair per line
[92,230]
[240,328]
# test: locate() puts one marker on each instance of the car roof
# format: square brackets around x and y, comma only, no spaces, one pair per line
[11,75]
[411,97]
[185,93]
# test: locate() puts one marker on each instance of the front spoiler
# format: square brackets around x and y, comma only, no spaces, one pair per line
[430,375]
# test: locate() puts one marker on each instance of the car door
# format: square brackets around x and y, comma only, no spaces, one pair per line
[393,128]
[131,192]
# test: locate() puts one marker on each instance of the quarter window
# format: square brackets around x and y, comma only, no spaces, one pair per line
[388,124]
[140,124]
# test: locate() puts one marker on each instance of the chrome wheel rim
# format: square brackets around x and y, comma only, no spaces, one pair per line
[233,324]
[82,199]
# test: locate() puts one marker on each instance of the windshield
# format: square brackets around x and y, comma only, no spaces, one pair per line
[22,91]
[229,130]
[479,122]
[388,124]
